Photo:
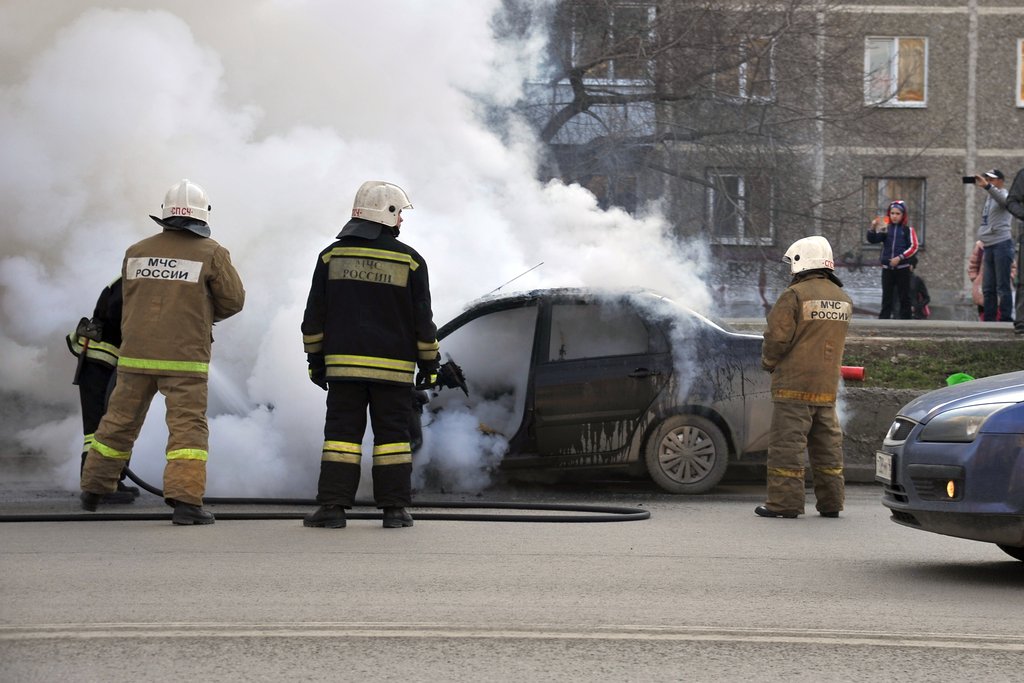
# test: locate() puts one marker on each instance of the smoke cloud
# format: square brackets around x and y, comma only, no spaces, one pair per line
[279,109]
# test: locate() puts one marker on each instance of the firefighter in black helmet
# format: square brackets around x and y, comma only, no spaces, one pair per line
[368,325]
[96,342]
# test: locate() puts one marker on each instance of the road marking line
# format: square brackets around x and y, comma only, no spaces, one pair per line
[961,641]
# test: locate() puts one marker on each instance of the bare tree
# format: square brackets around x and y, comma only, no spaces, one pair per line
[722,108]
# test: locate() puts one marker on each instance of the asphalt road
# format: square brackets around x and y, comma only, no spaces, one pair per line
[703,590]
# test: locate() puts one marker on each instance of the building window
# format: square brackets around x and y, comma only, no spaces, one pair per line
[617,191]
[896,72]
[753,78]
[739,208]
[612,41]
[1020,72]
[880,192]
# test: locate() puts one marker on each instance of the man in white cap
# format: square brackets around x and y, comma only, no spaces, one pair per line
[997,239]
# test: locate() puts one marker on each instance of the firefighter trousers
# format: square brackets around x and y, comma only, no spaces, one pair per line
[390,410]
[187,441]
[798,428]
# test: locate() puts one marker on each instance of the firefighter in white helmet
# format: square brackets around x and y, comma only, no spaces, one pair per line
[176,284]
[803,349]
[367,327]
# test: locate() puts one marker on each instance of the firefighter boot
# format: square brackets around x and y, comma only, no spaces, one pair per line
[122,496]
[327,516]
[90,500]
[763,511]
[396,518]
[186,514]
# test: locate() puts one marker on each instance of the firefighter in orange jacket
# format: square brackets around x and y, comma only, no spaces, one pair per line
[803,349]
[368,324]
[96,342]
[177,283]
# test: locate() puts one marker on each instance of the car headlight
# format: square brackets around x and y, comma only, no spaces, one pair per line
[960,425]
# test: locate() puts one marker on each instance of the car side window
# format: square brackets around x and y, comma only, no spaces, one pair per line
[494,350]
[592,330]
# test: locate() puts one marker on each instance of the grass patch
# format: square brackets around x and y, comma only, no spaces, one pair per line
[926,363]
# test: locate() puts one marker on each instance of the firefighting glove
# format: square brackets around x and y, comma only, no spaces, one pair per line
[317,370]
[427,376]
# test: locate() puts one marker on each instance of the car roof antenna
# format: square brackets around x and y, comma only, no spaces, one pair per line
[515,278]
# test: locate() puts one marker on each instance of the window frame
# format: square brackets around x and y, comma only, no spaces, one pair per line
[916,206]
[741,80]
[1020,73]
[892,98]
[610,78]
[743,212]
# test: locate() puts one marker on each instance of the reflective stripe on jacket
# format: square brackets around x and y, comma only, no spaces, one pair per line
[805,338]
[176,285]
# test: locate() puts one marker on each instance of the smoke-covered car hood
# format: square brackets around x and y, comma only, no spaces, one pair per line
[1006,388]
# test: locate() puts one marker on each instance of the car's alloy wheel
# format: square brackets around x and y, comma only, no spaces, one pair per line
[686,454]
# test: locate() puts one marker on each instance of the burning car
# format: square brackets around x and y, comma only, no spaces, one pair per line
[632,382]
[953,462]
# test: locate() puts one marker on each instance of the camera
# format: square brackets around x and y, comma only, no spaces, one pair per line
[968,179]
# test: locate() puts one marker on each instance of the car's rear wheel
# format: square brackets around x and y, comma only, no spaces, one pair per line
[1013,551]
[686,454]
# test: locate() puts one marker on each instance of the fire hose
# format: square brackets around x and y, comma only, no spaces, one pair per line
[568,513]
[449,375]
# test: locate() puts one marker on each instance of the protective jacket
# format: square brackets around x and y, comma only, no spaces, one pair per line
[368,314]
[176,285]
[900,239]
[805,338]
[106,318]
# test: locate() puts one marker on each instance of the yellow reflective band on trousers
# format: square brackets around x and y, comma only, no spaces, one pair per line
[802,396]
[170,365]
[382,254]
[398,453]
[313,343]
[108,452]
[187,454]
[783,472]
[87,443]
[369,367]
[342,451]
[830,471]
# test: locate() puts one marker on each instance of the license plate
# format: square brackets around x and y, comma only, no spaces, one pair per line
[883,467]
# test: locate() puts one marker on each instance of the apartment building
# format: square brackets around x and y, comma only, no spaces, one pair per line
[753,126]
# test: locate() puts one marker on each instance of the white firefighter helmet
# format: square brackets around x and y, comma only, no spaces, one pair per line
[809,253]
[380,202]
[188,200]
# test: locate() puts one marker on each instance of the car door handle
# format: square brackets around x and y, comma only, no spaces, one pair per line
[644,372]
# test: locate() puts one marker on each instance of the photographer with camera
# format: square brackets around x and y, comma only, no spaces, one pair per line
[996,238]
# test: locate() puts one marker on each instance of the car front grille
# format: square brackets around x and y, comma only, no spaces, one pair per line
[930,481]
[900,429]
[895,493]
[929,489]
[905,518]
